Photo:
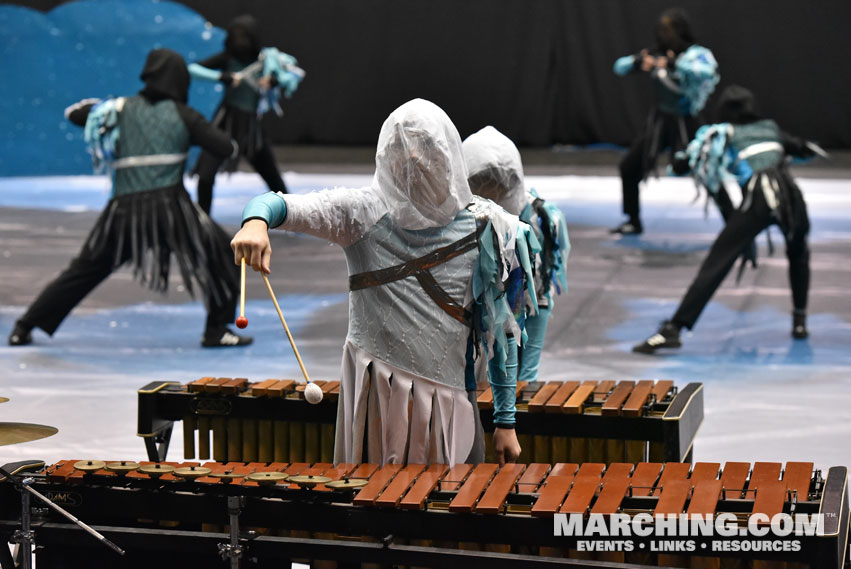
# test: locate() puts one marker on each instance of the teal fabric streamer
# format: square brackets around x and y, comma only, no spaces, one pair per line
[101,133]
[697,72]
[278,64]
[707,156]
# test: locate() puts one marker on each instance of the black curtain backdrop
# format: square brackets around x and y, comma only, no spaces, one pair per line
[540,70]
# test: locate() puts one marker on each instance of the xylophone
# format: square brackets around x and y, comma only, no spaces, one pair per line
[467,514]
[569,421]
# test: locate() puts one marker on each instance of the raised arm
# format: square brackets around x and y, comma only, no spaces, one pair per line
[79,111]
[205,135]
[341,216]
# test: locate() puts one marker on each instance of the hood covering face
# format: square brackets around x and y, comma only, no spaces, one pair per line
[419,166]
[243,39]
[737,105]
[673,31]
[165,76]
[495,170]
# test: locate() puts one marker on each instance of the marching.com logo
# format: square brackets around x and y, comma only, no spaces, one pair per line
[724,525]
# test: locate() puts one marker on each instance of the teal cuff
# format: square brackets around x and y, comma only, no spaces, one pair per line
[270,207]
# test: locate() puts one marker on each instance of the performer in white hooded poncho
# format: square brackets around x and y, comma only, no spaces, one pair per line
[428,268]
[496,173]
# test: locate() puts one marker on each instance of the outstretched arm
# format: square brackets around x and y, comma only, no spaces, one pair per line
[79,111]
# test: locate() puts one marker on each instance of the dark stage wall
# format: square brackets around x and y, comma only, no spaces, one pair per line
[540,70]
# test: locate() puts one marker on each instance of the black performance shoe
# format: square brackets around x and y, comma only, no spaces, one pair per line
[799,326]
[224,338]
[628,228]
[21,335]
[668,336]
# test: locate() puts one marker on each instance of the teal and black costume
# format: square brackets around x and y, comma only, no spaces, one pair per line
[237,115]
[150,218]
[682,90]
[754,150]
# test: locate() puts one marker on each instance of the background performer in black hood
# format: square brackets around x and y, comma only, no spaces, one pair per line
[755,151]
[149,219]
[239,113]
[684,75]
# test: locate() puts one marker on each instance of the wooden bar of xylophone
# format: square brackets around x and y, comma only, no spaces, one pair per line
[591,421]
[502,513]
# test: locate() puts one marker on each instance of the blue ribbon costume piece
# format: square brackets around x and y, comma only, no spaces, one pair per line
[101,133]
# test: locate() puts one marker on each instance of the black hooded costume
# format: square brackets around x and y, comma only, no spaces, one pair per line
[150,217]
[758,150]
[237,114]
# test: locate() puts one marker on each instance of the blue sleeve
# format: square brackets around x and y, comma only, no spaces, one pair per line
[270,207]
[504,384]
[536,330]
[200,72]
[624,65]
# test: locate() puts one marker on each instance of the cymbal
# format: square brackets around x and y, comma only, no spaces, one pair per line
[89,465]
[308,481]
[228,476]
[348,484]
[156,470]
[267,478]
[192,472]
[122,467]
[14,433]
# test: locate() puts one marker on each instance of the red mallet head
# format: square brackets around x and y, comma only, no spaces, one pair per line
[241,322]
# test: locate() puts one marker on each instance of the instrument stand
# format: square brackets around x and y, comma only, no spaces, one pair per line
[25,537]
[233,551]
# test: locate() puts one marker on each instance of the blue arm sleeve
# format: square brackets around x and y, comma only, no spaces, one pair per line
[270,207]
[201,72]
[536,329]
[624,65]
[504,384]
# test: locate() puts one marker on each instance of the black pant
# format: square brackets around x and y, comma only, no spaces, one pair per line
[663,131]
[263,162]
[742,227]
[84,274]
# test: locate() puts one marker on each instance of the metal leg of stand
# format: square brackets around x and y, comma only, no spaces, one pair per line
[24,536]
[233,551]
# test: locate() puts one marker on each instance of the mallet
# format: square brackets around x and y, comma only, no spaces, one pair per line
[242,321]
[312,392]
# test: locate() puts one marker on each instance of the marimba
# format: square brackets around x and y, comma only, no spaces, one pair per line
[591,421]
[432,515]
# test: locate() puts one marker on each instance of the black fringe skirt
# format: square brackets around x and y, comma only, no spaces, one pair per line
[244,127]
[148,228]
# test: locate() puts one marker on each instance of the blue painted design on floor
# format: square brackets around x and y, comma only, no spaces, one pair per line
[162,341]
[735,346]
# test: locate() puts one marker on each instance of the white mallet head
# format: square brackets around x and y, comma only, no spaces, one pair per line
[313,393]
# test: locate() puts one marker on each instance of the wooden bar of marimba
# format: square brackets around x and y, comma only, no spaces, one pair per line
[592,421]
[508,513]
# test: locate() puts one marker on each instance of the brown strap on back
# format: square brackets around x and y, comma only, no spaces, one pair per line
[418,268]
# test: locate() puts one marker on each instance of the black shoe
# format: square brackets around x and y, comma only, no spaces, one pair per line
[223,338]
[628,228]
[799,325]
[21,335]
[668,336]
